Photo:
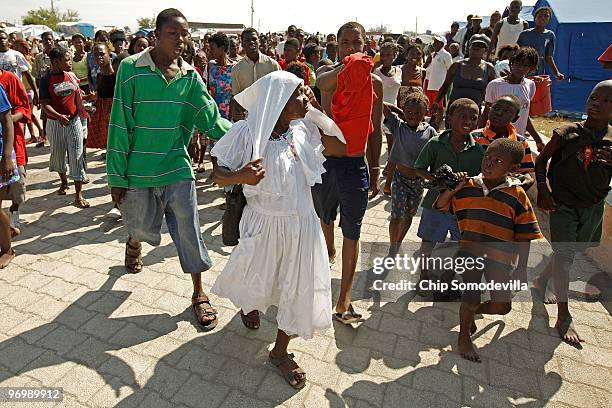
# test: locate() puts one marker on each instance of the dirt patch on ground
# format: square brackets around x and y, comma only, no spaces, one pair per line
[546,125]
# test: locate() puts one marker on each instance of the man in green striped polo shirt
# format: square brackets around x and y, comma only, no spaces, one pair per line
[159,99]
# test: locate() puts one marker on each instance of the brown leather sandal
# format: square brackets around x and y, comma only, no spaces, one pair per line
[287,372]
[133,258]
[251,318]
[208,312]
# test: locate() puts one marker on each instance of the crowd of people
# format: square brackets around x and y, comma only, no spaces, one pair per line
[296,123]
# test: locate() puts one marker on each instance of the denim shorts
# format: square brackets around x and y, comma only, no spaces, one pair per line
[345,185]
[435,226]
[143,210]
[406,195]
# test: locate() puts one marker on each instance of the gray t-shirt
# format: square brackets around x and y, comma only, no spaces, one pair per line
[407,143]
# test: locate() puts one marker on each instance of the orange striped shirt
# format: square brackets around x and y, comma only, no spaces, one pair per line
[493,221]
[486,136]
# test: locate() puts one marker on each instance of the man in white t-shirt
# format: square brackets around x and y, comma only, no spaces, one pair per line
[14,61]
[437,66]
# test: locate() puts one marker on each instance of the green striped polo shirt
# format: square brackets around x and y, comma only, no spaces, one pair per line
[152,121]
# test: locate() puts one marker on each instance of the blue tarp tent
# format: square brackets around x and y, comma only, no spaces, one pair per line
[584,31]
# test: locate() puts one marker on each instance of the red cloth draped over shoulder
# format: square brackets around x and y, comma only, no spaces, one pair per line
[352,102]
[18,98]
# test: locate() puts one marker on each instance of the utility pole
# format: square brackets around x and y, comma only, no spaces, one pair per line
[252,12]
[416,25]
[52,8]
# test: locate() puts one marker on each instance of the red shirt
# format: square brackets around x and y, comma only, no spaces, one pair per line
[60,91]
[352,102]
[17,96]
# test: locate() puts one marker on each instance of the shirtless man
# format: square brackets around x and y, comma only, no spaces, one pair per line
[346,182]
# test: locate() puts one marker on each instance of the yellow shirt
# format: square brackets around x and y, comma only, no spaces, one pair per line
[246,72]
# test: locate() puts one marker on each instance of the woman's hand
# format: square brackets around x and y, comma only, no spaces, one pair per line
[252,173]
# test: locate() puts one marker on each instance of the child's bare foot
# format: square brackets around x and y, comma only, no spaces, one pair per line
[567,331]
[544,294]
[466,349]
[6,258]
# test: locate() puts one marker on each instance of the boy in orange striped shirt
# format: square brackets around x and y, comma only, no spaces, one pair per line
[494,214]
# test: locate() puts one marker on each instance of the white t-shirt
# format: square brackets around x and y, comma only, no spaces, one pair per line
[391,84]
[436,71]
[524,92]
[14,61]
[280,48]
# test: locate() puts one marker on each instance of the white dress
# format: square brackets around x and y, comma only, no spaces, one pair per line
[281,258]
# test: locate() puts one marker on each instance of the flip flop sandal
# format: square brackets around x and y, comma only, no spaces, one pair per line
[208,312]
[82,203]
[62,190]
[133,258]
[248,318]
[289,373]
[348,317]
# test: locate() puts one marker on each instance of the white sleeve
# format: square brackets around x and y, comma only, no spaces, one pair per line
[22,62]
[234,149]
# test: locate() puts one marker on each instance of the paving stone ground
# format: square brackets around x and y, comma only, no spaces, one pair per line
[73,318]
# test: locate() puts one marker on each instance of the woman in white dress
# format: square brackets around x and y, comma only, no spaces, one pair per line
[391,77]
[281,258]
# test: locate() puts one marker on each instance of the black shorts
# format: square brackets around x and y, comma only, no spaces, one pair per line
[493,272]
[345,185]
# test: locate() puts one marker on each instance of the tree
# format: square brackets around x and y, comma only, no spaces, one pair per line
[381,28]
[146,22]
[49,17]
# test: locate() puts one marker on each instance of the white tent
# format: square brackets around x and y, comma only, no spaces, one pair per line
[28,31]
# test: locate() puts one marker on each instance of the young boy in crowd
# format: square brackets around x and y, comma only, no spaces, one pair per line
[410,136]
[493,212]
[579,177]
[501,114]
[149,170]
[516,83]
[40,66]
[292,53]
[457,148]
[7,171]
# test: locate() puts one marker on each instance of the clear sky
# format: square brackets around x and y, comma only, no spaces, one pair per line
[311,15]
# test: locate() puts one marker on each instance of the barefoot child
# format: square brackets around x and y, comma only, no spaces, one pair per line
[7,171]
[493,211]
[460,151]
[410,135]
[281,258]
[579,177]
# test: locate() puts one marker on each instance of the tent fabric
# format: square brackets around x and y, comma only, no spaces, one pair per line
[583,34]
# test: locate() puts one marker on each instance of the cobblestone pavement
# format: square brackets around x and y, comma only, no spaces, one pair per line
[72,318]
